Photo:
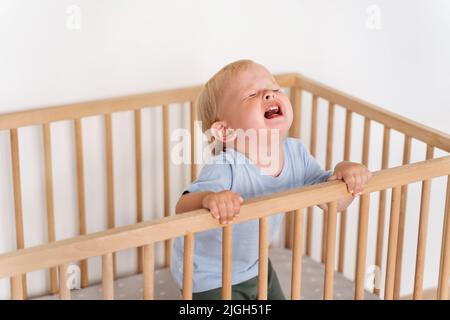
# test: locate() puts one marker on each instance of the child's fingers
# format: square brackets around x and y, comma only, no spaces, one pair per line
[364,180]
[358,184]
[339,176]
[223,212]
[230,211]
[350,182]
[214,210]
[364,177]
[236,206]
[333,177]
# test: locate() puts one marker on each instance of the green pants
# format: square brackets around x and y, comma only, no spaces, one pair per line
[247,290]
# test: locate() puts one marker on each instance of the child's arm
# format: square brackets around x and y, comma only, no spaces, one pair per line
[355,175]
[190,201]
[223,205]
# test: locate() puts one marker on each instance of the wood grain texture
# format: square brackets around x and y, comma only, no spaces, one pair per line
[263,261]
[297,255]
[132,236]
[18,214]
[422,233]
[81,195]
[79,110]
[227,259]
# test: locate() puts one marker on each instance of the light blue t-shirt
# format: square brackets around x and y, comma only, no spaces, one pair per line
[231,170]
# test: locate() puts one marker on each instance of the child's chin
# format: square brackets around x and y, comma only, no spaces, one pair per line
[280,124]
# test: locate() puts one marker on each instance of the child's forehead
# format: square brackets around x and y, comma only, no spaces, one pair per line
[252,78]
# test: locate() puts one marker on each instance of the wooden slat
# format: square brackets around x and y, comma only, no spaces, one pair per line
[227,259]
[422,234]
[401,226]
[392,243]
[444,270]
[348,135]
[108,276]
[295,131]
[382,205]
[132,236]
[110,179]
[366,142]
[263,258]
[138,157]
[188,260]
[16,288]
[343,222]
[18,214]
[330,137]
[328,163]
[49,199]
[289,230]
[166,165]
[390,119]
[149,271]
[444,224]
[329,258]
[64,290]
[309,230]
[193,118]
[312,149]
[362,246]
[313,144]
[297,255]
[342,238]
[81,196]
[363,221]
[109,171]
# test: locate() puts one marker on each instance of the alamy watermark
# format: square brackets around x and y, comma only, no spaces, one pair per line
[373,277]
[73,20]
[373,21]
[261,146]
[73,274]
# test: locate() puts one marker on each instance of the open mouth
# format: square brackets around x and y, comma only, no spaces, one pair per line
[273,111]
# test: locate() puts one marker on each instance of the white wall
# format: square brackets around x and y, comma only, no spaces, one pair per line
[139,46]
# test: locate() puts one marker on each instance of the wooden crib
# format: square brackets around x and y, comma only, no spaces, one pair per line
[298,238]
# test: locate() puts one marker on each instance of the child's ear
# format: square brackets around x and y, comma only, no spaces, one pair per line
[221,132]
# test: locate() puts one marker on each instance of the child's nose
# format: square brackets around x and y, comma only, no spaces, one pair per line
[269,95]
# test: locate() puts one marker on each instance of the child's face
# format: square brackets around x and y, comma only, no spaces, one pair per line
[253,100]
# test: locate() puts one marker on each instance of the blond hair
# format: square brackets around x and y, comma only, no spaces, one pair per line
[210,93]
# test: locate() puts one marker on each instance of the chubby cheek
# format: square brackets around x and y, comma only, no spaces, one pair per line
[289,112]
[246,117]
[249,120]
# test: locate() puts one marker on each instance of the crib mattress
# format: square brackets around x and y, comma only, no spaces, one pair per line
[130,288]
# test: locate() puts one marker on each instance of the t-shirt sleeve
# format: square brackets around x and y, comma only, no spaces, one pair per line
[213,177]
[313,171]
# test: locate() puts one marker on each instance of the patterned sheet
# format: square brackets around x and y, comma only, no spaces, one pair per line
[130,288]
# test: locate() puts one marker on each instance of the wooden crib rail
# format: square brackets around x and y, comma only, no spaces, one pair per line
[107,106]
[434,139]
[370,111]
[145,234]
[297,84]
